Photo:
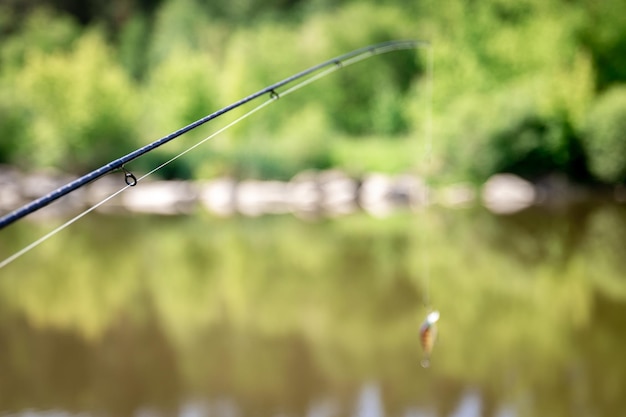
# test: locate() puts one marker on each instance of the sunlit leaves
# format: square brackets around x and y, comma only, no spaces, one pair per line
[605,137]
[81,106]
[71,93]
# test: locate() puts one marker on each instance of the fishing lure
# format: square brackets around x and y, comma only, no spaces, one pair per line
[428,335]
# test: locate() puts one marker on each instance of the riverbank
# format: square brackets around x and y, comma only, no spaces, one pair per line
[308,194]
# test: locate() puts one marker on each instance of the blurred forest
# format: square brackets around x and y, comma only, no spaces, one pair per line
[533,87]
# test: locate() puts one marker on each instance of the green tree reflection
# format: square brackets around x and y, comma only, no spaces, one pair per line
[276,315]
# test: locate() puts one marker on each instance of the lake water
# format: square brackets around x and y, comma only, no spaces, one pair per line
[282,317]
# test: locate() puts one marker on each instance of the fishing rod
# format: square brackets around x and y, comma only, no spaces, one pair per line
[130,179]
[313,73]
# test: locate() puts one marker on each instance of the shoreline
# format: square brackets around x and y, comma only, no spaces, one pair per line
[328,193]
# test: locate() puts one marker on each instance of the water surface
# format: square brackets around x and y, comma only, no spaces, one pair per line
[276,316]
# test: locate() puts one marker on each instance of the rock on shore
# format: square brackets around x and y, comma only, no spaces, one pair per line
[308,194]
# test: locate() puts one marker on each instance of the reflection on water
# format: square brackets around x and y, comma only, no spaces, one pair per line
[146,316]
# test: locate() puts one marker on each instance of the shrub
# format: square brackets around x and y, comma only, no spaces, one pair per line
[605,136]
[505,132]
[43,31]
[80,105]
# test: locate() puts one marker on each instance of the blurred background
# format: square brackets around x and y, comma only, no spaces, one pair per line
[213,312]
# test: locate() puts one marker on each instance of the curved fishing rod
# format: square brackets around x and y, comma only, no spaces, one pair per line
[130,179]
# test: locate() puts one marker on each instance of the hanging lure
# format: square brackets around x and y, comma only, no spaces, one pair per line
[428,334]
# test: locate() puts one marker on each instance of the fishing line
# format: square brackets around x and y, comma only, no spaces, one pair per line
[128,185]
[427,193]
[130,180]
[428,328]
[119,163]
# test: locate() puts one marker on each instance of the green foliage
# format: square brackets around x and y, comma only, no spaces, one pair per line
[605,136]
[80,105]
[513,83]
[511,90]
[303,137]
[180,90]
[603,32]
[13,123]
[43,31]
[368,99]
[376,154]
[134,46]
[508,133]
